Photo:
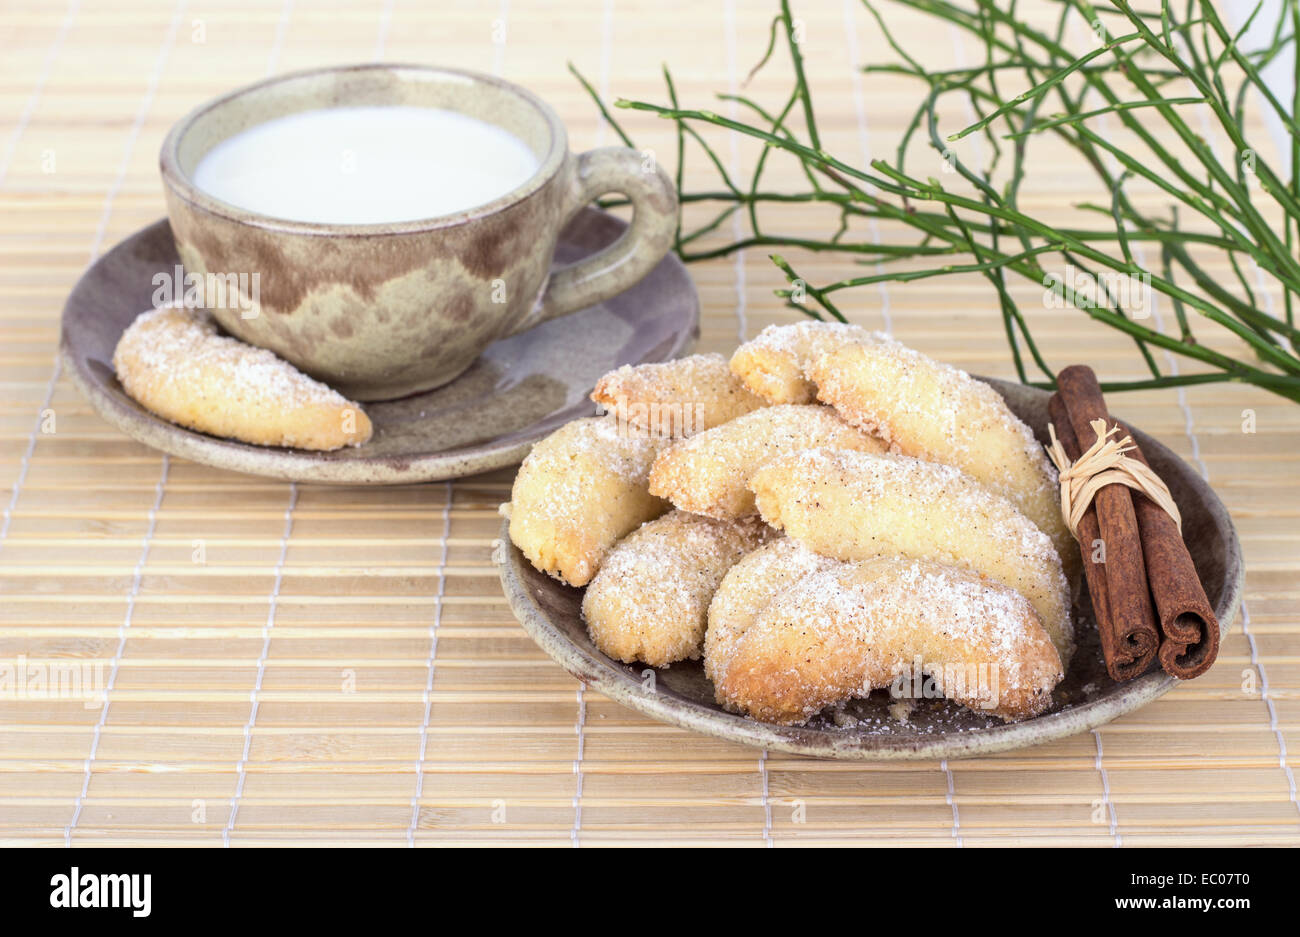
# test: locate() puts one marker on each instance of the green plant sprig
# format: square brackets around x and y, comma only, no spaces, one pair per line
[980,227]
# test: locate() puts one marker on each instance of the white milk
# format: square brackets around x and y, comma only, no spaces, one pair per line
[365,165]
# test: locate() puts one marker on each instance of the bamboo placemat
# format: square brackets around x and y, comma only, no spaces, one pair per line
[299,664]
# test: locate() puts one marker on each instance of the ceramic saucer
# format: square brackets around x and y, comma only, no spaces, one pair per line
[519,390]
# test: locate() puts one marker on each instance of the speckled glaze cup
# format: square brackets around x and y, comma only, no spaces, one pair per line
[384,310]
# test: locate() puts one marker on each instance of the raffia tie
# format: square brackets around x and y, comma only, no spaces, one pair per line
[1105,463]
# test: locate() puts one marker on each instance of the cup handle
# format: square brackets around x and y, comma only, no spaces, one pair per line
[637,250]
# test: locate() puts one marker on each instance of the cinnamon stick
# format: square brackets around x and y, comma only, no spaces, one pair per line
[1089,531]
[1188,625]
[1127,651]
[1130,632]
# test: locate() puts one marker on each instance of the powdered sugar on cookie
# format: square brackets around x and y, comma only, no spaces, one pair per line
[174,362]
[580,491]
[840,632]
[774,365]
[855,505]
[933,411]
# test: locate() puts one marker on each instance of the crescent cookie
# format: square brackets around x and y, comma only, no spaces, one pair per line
[676,398]
[174,362]
[838,633]
[773,364]
[650,600]
[933,411]
[579,491]
[709,473]
[747,589]
[854,505]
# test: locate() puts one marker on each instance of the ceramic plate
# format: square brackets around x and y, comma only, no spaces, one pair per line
[519,390]
[865,730]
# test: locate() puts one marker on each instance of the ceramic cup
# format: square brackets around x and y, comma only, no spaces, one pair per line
[384,310]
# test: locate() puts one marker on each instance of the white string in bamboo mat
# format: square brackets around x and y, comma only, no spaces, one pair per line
[580,717]
[1112,812]
[1212,136]
[1203,113]
[864,140]
[500,32]
[959,59]
[29,108]
[11,146]
[430,666]
[385,24]
[742,320]
[272,602]
[850,9]
[133,136]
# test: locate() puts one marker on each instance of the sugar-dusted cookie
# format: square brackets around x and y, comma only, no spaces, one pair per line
[175,363]
[676,398]
[747,589]
[709,473]
[650,600]
[856,505]
[773,365]
[579,491]
[840,632]
[933,411]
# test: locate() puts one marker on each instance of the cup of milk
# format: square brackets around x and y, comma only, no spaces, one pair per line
[396,219]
